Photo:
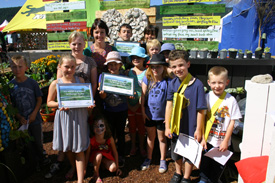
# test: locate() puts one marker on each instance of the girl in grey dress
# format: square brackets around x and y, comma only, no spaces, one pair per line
[71,132]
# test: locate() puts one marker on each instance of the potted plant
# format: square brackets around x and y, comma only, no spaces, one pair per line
[223,53]
[258,52]
[47,113]
[214,53]
[248,54]
[232,52]
[194,52]
[267,53]
[240,54]
[203,52]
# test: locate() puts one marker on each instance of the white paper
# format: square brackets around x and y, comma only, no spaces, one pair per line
[272,115]
[189,148]
[218,156]
[24,127]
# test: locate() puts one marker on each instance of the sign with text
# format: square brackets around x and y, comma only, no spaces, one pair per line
[66,15]
[191,20]
[187,1]
[60,45]
[65,6]
[187,9]
[190,33]
[66,26]
[62,36]
[211,45]
[125,4]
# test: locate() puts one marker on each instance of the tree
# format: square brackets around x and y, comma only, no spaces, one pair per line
[266,15]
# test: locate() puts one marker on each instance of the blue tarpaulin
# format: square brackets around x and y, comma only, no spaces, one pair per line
[240,30]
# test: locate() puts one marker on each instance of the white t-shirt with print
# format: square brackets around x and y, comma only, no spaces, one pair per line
[227,111]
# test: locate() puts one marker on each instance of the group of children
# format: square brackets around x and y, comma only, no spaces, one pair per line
[156,78]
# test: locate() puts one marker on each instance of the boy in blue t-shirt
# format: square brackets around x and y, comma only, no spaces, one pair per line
[26,96]
[192,120]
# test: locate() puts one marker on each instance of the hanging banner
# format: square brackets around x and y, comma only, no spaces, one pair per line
[60,45]
[125,4]
[187,1]
[191,20]
[62,36]
[66,26]
[188,45]
[190,33]
[66,15]
[65,6]
[187,9]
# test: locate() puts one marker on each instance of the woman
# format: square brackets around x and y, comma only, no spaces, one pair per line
[99,49]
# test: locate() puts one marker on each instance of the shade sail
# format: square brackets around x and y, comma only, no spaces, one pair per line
[31,16]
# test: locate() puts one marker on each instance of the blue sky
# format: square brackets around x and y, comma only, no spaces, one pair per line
[11,3]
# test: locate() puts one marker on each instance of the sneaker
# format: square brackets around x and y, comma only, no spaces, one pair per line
[121,161]
[183,180]
[176,178]
[162,166]
[146,164]
[54,168]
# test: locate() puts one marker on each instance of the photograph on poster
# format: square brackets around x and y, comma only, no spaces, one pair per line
[125,48]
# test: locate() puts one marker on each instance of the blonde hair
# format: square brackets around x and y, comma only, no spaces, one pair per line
[17,58]
[153,43]
[75,35]
[150,76]
[66,56]
[217,71]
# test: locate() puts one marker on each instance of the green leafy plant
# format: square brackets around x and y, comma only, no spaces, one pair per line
[214,50]
[258,49]
[223,49]
[240,51]
[232,49]
[204,49]
[194,49]
[267,49]
[248,51]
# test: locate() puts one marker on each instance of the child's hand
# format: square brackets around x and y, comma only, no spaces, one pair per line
[22,120]
[91,106]
[204,144]
[118,172]
[168,133]
[32,117]
[101,92]
[224,146]
[64,109]
[197,135]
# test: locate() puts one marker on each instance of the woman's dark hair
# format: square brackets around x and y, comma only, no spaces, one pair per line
[150,29]
[100,24]
[108,133]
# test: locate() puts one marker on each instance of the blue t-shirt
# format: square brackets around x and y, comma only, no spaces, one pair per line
[155,108]
[195,94]
[23,97]
[114,102]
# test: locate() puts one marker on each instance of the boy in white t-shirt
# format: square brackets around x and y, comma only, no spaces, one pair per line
[225,115]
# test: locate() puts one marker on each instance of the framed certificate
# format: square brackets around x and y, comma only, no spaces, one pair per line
[122,85]
[125,47]
[74,95]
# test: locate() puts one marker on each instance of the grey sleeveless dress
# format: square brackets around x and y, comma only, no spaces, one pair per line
[71,131]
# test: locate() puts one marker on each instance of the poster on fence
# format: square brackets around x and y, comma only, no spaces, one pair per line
[190,33]
[188,45]
[191,20]
[187,1]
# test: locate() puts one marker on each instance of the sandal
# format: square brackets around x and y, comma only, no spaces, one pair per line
[70,174]
[99,180]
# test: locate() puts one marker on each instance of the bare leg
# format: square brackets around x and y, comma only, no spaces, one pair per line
[109,164]
[61,156]
[151,135]
[178,165]
[71,157]
[187,170]
[162,144]
[97,162]
[80,164]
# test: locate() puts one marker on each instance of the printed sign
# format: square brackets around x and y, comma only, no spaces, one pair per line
[65,6]
[66,26]
[191,20]
[60,45]
[187,9]
[125,4]
[187,1]
[62,36]
[190,33]
[66,15]
[188,45]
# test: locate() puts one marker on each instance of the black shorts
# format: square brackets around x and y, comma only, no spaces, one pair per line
[155,123]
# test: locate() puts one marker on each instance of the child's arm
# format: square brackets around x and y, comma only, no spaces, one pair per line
[168,113]
[94,80]
[113,146]
[102,94]
[52,95]
[21,119]
[224,144]
[200,123]
[144,89]
[36,109]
